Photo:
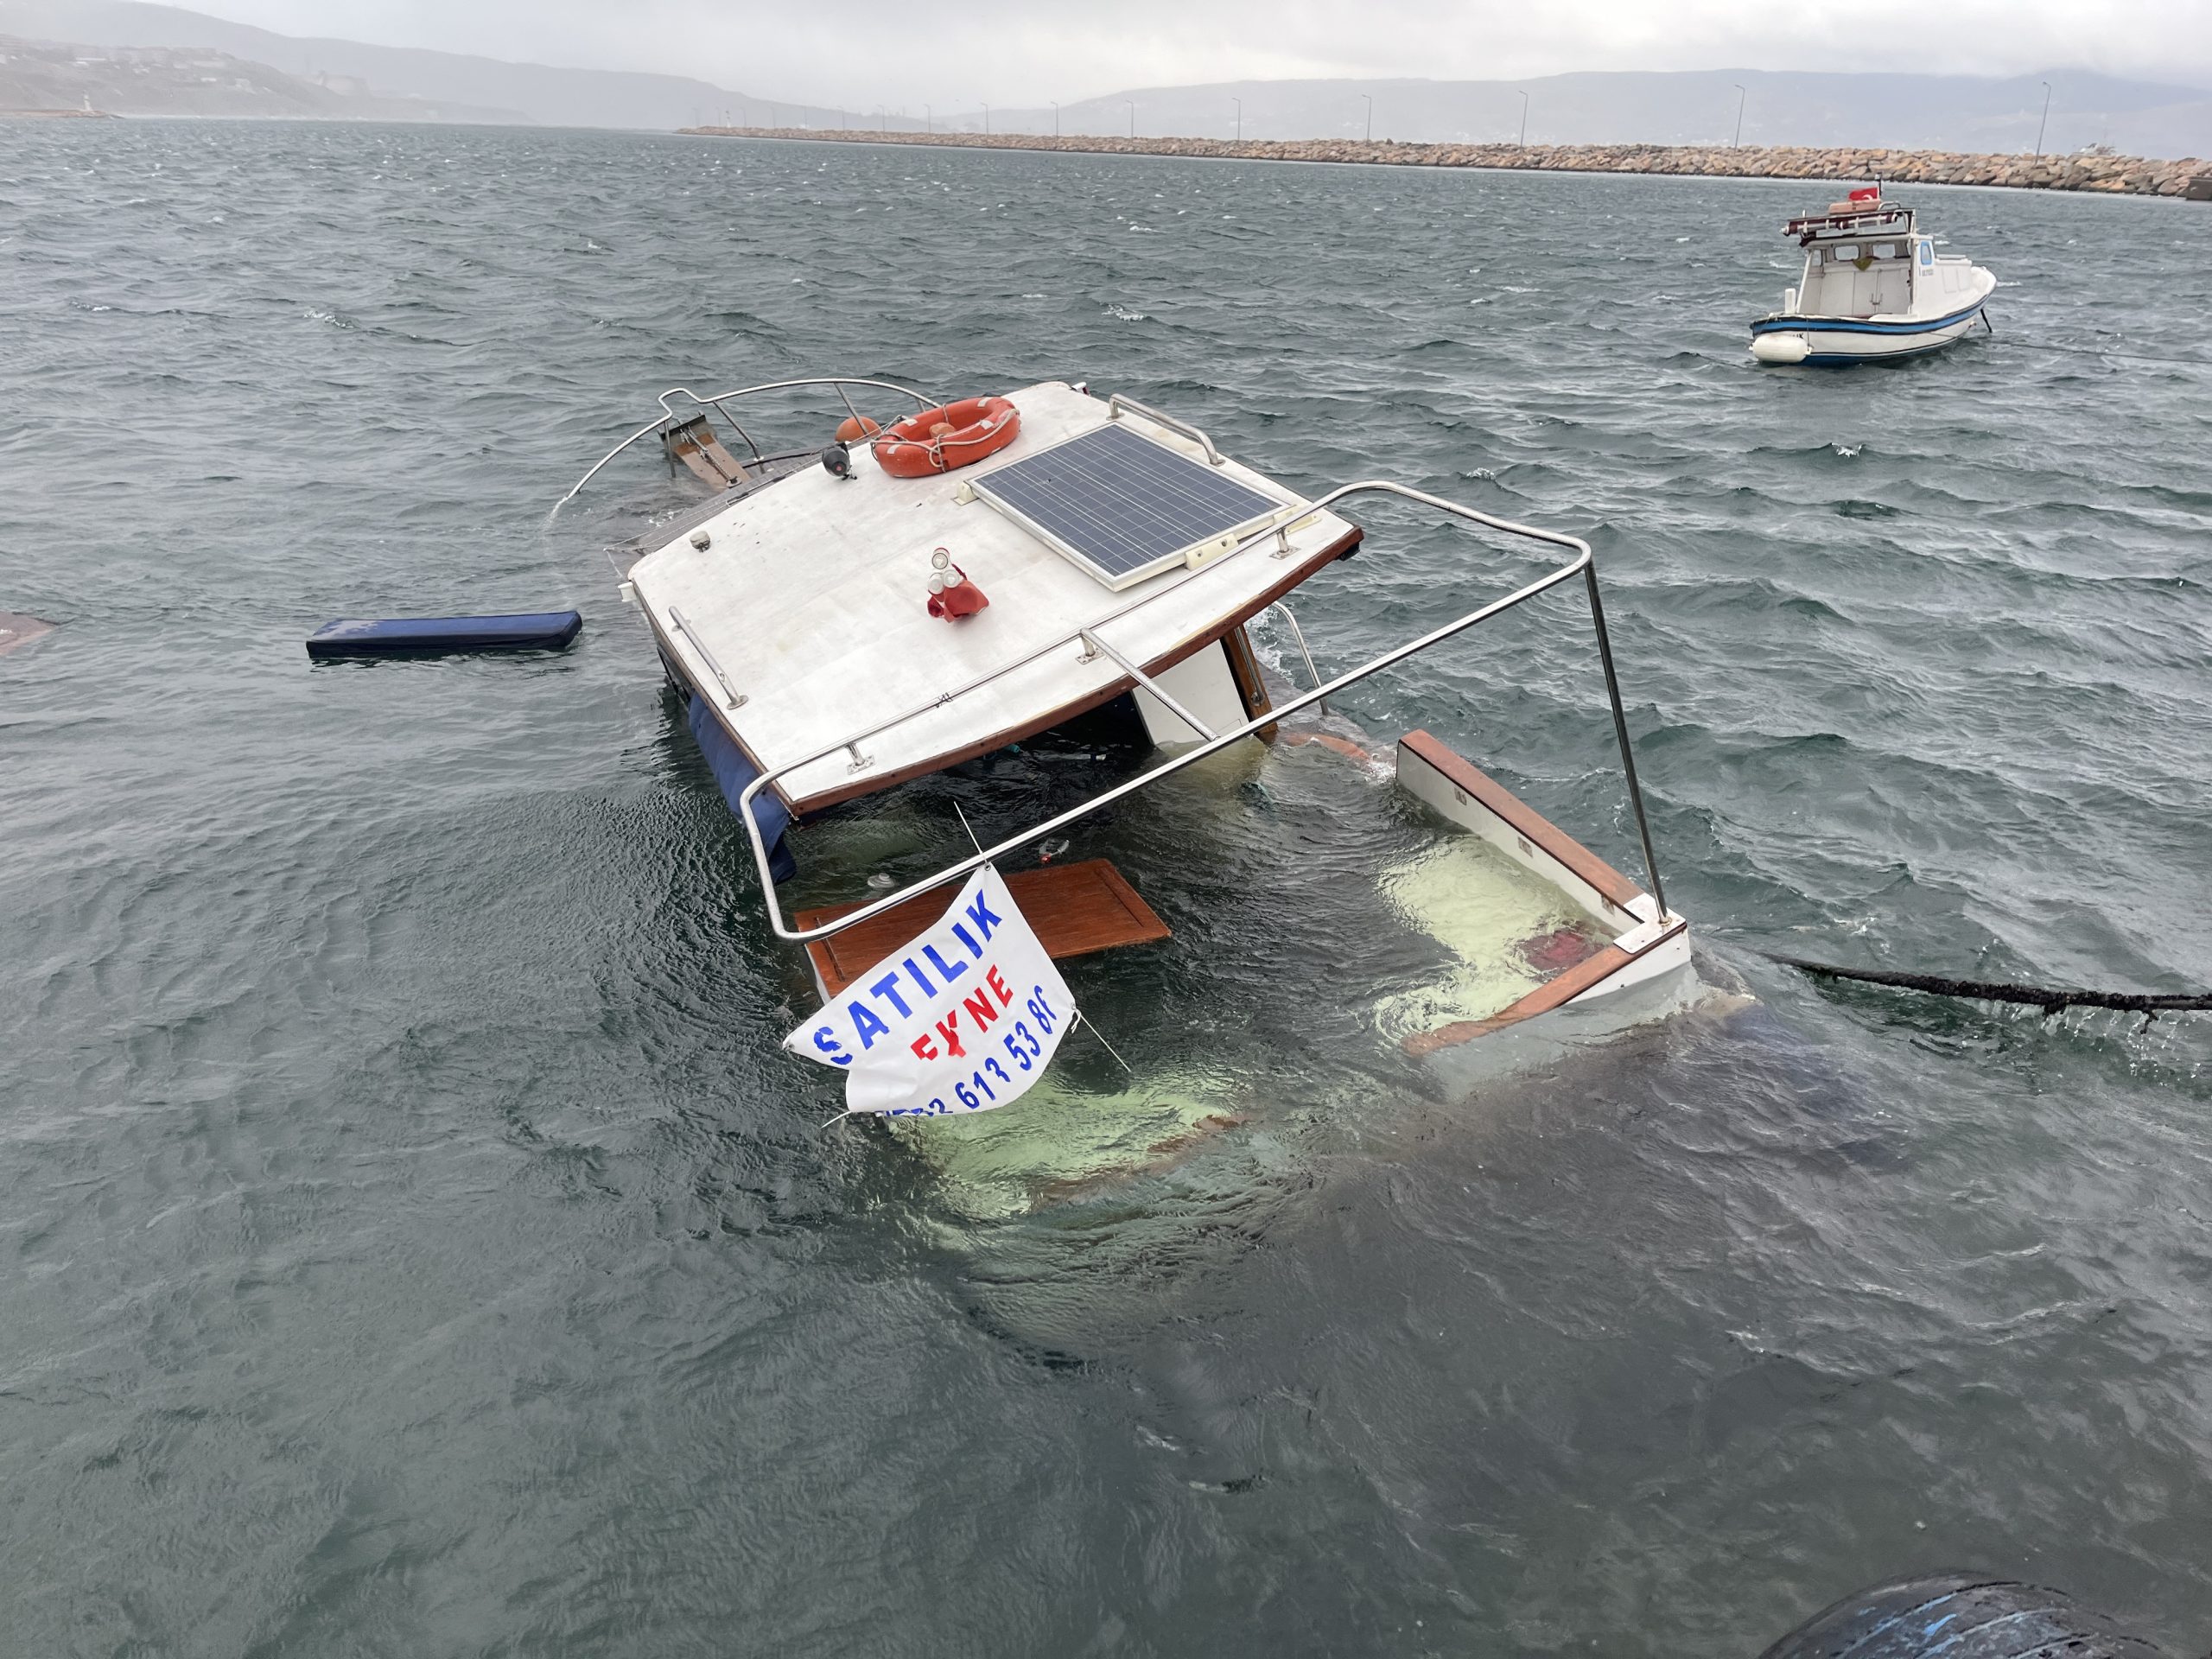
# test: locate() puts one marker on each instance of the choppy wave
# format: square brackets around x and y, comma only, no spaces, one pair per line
[418,1243]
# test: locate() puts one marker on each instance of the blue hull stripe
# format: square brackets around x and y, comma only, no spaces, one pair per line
[1841,326]
[733,772]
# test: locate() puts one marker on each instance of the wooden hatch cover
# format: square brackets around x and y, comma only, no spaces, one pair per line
[694,444]
[1076,909]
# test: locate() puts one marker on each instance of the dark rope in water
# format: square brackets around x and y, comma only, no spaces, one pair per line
[2072,349]
[2050,999]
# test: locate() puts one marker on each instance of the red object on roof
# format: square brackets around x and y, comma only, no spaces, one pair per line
[1871,192]
[954,596]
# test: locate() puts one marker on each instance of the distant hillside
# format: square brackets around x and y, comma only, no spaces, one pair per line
[1904,111]
[1946,112]
[196,82]
[531,93]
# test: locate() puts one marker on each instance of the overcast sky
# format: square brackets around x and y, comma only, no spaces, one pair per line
[1023,52]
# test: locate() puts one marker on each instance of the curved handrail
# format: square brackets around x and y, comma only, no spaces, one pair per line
[1584,562]
[1304,650]
[840,381]
[1118,402]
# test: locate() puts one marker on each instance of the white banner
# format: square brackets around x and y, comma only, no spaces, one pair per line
[961,1019]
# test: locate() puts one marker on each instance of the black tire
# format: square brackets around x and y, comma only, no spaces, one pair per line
[1959,1615]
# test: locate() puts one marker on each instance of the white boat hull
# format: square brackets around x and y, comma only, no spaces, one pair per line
[1829,341]
[1826,344]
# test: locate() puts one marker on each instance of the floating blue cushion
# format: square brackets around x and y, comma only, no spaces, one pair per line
[425,635]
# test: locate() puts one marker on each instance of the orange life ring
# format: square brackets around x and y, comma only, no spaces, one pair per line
[939,440]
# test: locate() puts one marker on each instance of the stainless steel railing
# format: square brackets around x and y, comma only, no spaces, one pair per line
[1304,650]
[1583,562]
[1117,403]
[838,382]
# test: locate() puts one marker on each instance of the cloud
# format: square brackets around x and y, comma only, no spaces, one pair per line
[1009,52]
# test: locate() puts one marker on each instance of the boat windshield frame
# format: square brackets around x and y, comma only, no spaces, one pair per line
[1088,640]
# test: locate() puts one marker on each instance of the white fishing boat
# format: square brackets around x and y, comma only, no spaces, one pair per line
[851,632]
[1873,287]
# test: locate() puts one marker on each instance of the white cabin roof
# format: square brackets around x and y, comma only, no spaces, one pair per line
[810,598]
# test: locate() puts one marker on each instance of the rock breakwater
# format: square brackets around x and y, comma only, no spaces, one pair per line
[2134,176]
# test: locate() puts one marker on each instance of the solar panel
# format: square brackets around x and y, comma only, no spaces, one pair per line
[1121,505]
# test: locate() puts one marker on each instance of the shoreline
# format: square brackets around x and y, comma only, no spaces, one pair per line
[2128,176]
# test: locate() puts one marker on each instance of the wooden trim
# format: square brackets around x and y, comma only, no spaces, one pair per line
[1341,548]
[695,445]
[1524,819]
[1251,685]
[1545,997]
[1076,909]
[1591,971]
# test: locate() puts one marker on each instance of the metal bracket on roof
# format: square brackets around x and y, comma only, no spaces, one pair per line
[1206,552]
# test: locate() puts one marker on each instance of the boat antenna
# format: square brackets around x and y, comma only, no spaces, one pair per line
[1092,1026]
[969,827]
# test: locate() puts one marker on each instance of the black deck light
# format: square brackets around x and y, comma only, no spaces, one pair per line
[837,460]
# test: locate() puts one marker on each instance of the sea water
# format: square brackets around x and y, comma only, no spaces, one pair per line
[416,1242]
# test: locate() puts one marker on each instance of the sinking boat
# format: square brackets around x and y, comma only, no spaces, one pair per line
[1054,618]
[1873,287]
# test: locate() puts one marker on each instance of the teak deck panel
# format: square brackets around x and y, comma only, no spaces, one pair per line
[1076,909]
[696,446]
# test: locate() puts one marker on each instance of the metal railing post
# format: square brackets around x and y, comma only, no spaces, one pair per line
[1620,731]
[1091,642]
[1299,634]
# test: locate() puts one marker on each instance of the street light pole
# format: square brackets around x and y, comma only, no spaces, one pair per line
[1370,117]
[2046,122]
[1741,95]
[1524,120]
